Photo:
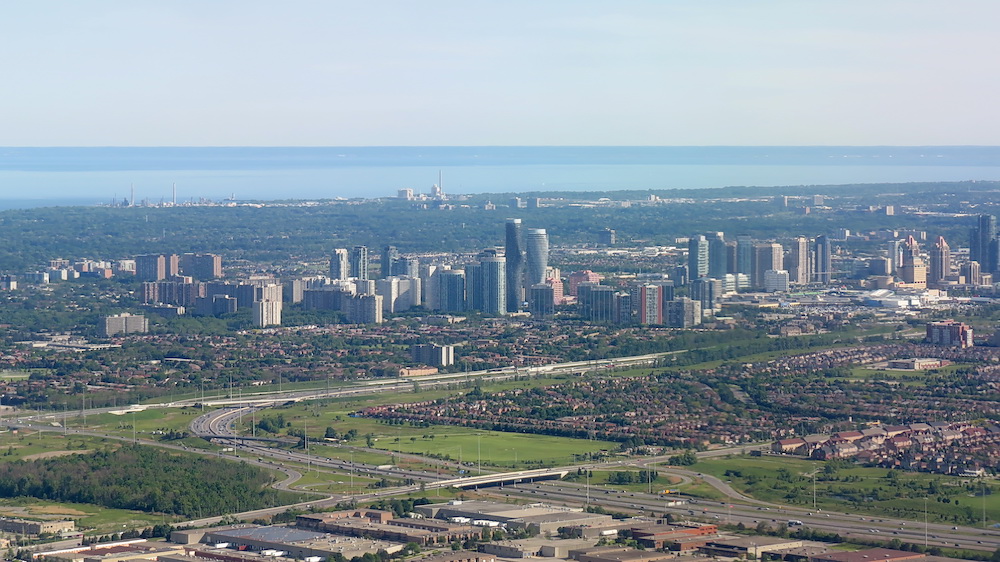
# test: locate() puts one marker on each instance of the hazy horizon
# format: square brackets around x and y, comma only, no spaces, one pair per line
[268,173]
[456,73]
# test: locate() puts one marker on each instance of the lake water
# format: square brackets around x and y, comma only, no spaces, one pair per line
[39,176]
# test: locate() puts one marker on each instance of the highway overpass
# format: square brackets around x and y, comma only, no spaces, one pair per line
[502,478]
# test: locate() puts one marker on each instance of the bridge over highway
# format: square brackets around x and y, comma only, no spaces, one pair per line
[502,478]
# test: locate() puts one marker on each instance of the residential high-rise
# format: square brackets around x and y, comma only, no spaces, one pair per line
[824,260]
[340,268]
[940,262]
[201,266]
[124,323]
[514,265]
[607,237]
[648,302]
[972,273]
[537,256]
[388,289]
[706,291]
[364,309]
[429,283]
[389,256]
[765,256]
[433,354]
[744,255]
[718,263]
[183,291]
[155,267]
[493,270]
[451,290]
[983,244]
[267,313]
[681,275]
[949,333]
[698,256]
[474,286]
[406,267]
[683,313]
[558,297]
[359,262]
[798,261]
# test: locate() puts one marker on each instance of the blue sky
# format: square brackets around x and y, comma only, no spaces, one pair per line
[333,73]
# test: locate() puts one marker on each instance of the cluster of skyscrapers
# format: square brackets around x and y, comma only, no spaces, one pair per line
[516,277]
[496,281]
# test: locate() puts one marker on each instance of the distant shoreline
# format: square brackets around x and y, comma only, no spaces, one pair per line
[106,174]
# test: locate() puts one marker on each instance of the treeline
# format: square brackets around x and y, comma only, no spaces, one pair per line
[144,479]
[632,477]
[272,233]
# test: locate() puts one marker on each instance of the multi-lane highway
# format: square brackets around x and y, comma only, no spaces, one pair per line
[220,426]
[753,514]
[737,509]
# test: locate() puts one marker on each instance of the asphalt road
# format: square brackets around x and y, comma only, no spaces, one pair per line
[738,509]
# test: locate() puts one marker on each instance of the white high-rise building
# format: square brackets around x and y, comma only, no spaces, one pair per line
[537,256]
[429,284]
[798,261]
[124,323]
[365,309]
[267,313]
[339,265]
[388,289]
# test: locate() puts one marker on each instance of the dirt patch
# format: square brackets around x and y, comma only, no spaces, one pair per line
[12,511]
[51,454]
[55,510]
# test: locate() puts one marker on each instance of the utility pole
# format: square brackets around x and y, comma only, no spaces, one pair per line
[925,522]
[814,489]
[982,482]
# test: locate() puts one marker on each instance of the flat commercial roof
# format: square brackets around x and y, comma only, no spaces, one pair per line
[270,534]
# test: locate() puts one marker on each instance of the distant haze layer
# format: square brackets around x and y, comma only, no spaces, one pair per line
[100,175]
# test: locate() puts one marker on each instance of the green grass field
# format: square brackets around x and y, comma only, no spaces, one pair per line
[146,422]
[505,450]
[26,444]
[9,375]
[857,489]
[491,448]
[89,518]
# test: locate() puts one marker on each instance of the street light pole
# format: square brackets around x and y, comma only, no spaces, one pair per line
[814,490]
